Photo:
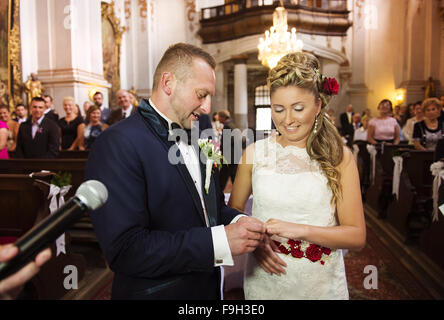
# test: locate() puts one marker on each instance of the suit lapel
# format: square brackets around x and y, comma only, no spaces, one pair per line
[157,125]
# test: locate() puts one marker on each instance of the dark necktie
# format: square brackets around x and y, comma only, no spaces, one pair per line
[174,125]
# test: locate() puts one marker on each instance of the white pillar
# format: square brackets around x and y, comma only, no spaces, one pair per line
[240,93]
[69,49]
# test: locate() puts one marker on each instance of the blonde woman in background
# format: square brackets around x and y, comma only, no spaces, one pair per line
[427,132]
[306,188]
[71,126]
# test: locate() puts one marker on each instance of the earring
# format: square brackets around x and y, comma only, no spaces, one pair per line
[315,130]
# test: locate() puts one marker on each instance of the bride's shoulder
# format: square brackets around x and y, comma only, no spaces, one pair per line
[346,158]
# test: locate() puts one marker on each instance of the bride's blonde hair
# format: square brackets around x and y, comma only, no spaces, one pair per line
[301,69]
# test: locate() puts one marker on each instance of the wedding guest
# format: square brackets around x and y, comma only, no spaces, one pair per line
[39,136]
[125,109]
[427,132]
[231,150]
[94,127]
[383,128]
[361,133]
[50,113]
[4,130]
[86,106]
[98,101]
[346,120]
[21,113]
[305,186]
[72,126]
[418,116]
[13,128]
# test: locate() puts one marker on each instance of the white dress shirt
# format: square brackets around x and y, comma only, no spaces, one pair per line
[36,125]
[222,253]
[127,112]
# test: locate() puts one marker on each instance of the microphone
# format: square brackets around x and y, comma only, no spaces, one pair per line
[91,195]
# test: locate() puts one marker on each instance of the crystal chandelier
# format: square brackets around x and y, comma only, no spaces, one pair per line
[278,41]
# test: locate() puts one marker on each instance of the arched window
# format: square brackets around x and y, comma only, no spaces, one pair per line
[263,110]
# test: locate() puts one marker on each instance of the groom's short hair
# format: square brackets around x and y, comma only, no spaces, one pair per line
[178,58]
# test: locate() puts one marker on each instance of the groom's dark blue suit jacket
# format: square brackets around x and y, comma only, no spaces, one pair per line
[152,229]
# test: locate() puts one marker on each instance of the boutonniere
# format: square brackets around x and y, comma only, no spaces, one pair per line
[215,159]
[40,130]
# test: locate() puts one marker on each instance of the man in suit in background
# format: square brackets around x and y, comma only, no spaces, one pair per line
[98,101]
[49,111]
[231,150]
[21,113]
[346,119]
[162,234]
[125,109]
[39,136]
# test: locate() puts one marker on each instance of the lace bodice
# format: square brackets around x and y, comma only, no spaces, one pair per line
[289,186]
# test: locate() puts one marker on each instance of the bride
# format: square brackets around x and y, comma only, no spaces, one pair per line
[306,188]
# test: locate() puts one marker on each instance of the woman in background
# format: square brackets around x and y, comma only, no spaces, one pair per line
[71,126]
[13,127]
[383,128]
[94,127]
[427,132]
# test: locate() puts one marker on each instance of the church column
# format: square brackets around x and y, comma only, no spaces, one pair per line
[240,91]
[69,49]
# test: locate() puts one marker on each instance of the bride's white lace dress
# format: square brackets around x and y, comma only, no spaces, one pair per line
[288,186]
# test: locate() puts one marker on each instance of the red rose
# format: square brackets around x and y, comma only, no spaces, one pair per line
[296,252]
[294,243]
[281,247]
[330,86]
[322,262]
[313,253]
[326,251]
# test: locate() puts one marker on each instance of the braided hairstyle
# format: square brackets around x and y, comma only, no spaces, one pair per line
[324,145]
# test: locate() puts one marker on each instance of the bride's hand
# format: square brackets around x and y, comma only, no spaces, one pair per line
[284,229]
[268,259]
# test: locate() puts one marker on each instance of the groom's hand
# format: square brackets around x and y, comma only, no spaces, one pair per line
[245,235]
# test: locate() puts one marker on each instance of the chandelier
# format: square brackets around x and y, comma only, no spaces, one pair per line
[278,41]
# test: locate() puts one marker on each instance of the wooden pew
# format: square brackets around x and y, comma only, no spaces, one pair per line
[25,166]
[24,203]
[364,167]
[81,231]
[379,194]
[411,213]
[432,238]
[77,154]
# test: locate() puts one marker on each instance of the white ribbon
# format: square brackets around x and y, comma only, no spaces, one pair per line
[209,167]
[53,206]
[355,152]
[437,170]
[372,150]
[397,169]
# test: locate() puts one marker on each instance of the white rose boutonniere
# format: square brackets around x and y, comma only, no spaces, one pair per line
[214,158]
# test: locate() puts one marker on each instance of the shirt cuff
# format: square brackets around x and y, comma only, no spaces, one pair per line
[236,218]
[222,252]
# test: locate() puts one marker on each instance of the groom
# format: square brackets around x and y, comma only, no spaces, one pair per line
[161,233]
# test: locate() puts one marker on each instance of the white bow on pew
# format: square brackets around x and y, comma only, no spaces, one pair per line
[397,169]
[372,150]
[437,170]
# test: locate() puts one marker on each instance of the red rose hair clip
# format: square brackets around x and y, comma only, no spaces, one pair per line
[330,86]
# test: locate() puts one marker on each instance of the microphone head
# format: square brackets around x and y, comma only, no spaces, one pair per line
[93,194]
